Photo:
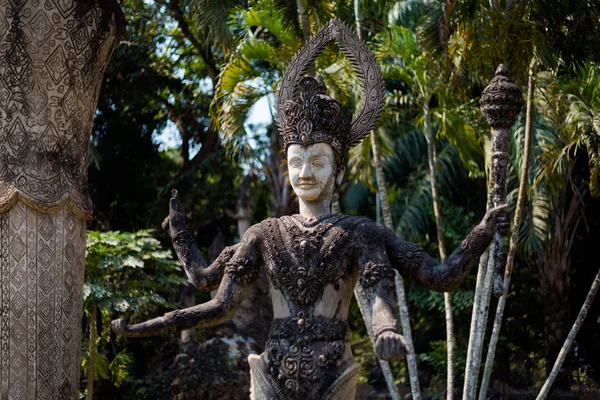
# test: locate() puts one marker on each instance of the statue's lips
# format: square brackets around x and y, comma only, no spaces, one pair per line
[305,186]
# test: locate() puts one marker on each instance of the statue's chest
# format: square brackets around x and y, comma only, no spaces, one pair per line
[302,258]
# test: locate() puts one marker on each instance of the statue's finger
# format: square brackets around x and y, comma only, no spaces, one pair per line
[387,347]
[175,204]
[379,347]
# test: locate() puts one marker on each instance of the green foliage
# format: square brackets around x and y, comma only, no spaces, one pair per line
[118,265]
[125,273]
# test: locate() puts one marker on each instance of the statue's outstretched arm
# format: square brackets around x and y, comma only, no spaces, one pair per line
[204,278]
[414,263]
[239,273]
[376,276]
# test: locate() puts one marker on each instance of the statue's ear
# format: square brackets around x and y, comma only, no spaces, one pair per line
[340,176]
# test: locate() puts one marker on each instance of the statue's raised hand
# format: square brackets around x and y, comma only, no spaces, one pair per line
[496,219]
[175,221]
[390,346]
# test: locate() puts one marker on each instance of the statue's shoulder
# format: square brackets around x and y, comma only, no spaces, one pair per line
[256,231]
[363,226]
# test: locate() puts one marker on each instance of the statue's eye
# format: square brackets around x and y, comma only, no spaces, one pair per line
[318,164]
[295,164]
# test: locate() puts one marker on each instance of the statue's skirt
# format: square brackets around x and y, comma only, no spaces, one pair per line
[264,387]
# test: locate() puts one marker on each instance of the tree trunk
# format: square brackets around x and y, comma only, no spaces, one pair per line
[188,342]
[91,365]
[302,6]
[556,327]
[53,59]
[570,338]
[358,292]
[512,248]
[411,359]
[477,301]
[252,317]
[431,156]
[363,305]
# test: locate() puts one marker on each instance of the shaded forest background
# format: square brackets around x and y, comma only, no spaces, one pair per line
[174,113]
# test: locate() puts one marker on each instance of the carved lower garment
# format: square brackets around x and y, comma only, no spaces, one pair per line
[305,358]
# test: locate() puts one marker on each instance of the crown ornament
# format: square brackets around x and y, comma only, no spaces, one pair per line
[311,116]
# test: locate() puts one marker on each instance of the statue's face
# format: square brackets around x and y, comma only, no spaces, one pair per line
[312,171]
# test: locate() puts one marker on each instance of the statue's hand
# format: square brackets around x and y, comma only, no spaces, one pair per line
[119,326]
[390,346]
[175,221]
[497,218]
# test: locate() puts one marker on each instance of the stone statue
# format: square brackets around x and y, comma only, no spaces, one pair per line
[314,259]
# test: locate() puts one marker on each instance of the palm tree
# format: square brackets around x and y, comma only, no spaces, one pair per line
[425,87]
[565,173]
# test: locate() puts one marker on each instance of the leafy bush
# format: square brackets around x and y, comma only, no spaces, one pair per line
[125,273]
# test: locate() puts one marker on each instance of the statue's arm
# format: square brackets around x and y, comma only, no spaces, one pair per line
[412,262]
[204,278]
[376,276]
[240,271]
[221,308]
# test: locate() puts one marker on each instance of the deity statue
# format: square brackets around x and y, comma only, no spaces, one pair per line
[314,259]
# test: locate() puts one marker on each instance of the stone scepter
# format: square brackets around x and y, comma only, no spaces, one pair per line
[314,259]
[501,102]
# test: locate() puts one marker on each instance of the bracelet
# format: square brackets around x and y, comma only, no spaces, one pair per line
[185,234]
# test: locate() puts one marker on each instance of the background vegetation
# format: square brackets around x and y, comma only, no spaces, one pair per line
[178,109]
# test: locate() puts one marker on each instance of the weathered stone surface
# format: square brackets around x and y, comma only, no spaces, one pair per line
[52,59]
[42,260]
[502,100]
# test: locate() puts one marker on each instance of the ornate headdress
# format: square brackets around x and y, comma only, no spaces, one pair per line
[314,117]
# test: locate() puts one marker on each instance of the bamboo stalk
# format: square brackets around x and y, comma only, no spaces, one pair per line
[411,359]
[476,349]
[570,338]
[363,305]
[512,248]
[431,156]
[385,367]
[481,273]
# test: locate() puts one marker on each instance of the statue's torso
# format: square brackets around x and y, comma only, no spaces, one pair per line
[311,263]
[312,267]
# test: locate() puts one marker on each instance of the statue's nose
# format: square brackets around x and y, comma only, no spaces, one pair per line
[305,171]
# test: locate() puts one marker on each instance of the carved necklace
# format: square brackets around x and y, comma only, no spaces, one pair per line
[306,264]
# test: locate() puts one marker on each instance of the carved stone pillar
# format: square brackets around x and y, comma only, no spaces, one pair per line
[53,54]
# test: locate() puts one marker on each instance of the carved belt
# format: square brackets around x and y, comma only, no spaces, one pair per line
[307,329]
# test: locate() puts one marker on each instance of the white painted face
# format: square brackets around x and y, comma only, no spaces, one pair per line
[312,172]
